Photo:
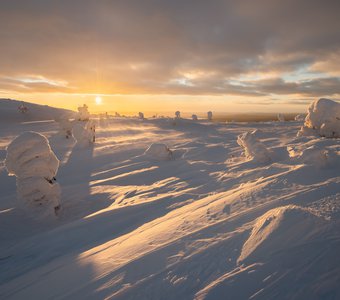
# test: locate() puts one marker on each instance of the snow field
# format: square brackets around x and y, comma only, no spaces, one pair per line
[244,210]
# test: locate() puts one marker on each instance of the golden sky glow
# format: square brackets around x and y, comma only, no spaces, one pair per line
[261,55]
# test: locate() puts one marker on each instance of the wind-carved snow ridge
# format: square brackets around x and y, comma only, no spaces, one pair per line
[159,151]
[31,160]
[323,119]
[280,228]
[253,148]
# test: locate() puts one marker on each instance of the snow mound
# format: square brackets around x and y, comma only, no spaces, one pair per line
[31,160]
[323,119]
[278,229]
[253,148]
[316,155]
[158,151]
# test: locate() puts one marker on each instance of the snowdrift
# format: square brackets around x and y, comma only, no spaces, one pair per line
[323,119]
[158,151]
[279,229]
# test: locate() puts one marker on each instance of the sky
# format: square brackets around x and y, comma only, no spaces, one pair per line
[164,55]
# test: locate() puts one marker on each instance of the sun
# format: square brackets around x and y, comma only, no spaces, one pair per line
[98,100]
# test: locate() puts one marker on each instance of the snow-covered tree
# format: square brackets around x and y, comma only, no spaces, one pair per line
[323,119]
[33,163]
[85,134]
[23,108]
[209,115]
[83,113]
[91,129]
[141,115]
[194,117]
[178,114]
[280,117]
[253,148]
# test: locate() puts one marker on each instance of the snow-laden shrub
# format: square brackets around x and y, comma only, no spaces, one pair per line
[83,113]
[209,115]
[158,151]
[194,117]
[33,163]
[323,119]
[178,114]
[253,148]
[85,134]
[141,115]
[280,117]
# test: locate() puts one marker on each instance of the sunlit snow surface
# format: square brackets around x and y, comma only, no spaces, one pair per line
[209,223]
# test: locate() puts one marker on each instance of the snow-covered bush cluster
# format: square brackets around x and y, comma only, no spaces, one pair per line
[158,151]
[31,160]
[323,119]
[253,148]
[83,113]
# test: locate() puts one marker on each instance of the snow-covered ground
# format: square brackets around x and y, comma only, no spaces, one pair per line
[212,222]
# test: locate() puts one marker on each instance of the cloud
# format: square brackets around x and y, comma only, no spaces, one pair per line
[153,46]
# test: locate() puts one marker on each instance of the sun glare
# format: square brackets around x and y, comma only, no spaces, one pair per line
[98,100]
